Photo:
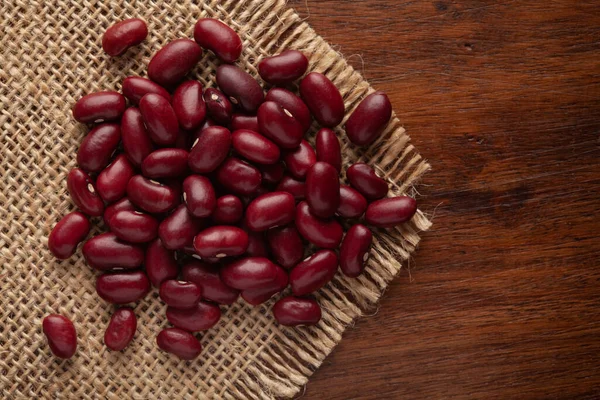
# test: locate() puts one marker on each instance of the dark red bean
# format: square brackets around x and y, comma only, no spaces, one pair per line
[99,107]
[386,213]
[123,35]
[165,163]
[121,205]
[111,183]
[270,210]
[136,87]
[174,61]
[180,294]
[314,272]
[364,179]
[250,273]
[283,68]
[214,35]
[352,203]
[257,246]
[151,196]
[221,241]
[121,329]
[210,149]
[369,119]
[199,196]
[255,147]
[184,140]
[123,287]
[272,173]
[189,105]
[136,140]
[300,160]
[98,146]
[67,234]
[178,229]
[323,190]
[218,105]
[105,251]
[61,335]
[322,233]
[241,121]
[354,251]
[200,317]
[83,192]
[243,90]
[238,176]
[160,263]
[294,311]
[323,99]
[258,296]
[286,246]
[229,210]
[293,186]
[160,119]
[292,103]
[179,342]
[134,226]
[279,125]
[207,277]
[328,148]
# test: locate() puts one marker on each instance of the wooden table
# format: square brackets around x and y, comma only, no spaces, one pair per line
[502,299]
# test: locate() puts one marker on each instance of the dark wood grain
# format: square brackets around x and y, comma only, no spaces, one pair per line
[502,299]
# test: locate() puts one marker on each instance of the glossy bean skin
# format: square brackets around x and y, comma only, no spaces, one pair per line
[188,104]
[134,226]
[352,203]
[83,193]
[323,99]
[67,234]
[151,196]
[160,119]
[98,146]
[314,272]
[111,183]
[328,148]
[61,335]
[171,63]
[364,179]
[179,342]
[242,121]
[279,125]
[210,150]
[322,233]
[180,294]
[200,317]
[242,89]
[295,187]
[255,147]
[286,246]
[214,35]
[228,211]
[249,273]
[120,205]
[123,35]
[386,213]
[294,311]
[178,229]
[221,241]
[272,173]
[160,263]
[123,287]
[218,105]
[238,176]
[136,87]
[354,251]
[323,190]
[99,107]
[292,103]
[209,280]
[270,210]
[199,196]
[300,160]
[165,163]
[369,119]
[256,297]
[121,329]
[106,251]
[283,68]
[136,140]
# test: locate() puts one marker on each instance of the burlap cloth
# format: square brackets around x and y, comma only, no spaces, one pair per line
[51,56]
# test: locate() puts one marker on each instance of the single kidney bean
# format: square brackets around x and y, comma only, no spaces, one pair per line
[255,147]
[123,35]
[229,210]
[121,329]
[67,234]
[189,105]
[210,149]
[257,247]
[207,277]
[218,105]
[136,140]
[328,148]
[180,294]
[364,179]
[214,35]
[160,263]
[314,272]
[174,61]
[111,183]
[270,210]
[120,205]
[238,176]
[293,186]
[105,251]
[165,163]
[294,311]
[199,196]
[283,68]
[286,246]
[352,203]
[249,273]
[99,107]
[322,233]
[179,342]
[98,147]
[151,196]
[369,119]
[123,287]
[323,99]
[134,226]
[272,173]
[354,251]
[323,190]
[292,103]
[221,241]
[279,125]
[300,160]
[242,89]
[160,119]
[84,195]
[258,296]
[178,229]
[200,317]
[242,121]
[386,213]
[136,87]
[61,335]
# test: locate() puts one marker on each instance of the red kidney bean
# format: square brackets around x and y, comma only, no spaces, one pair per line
[134,226]
[255,147]
[180,294]
[82,191]
[121,329]
[258,296]
[354,251]
[200,317]
[123,287]
[283,68]
[199,196]
[286,246]
[242,89]
[369,119]
[151,196]
[218,105]
[179,342]
[272,173]
[105,251]
[111,183]
[322,233]
[123,35]
[67,234]
[99,107]
[214,35]
[314,272]
[160,119]
[295,187]
[174,61]
[294,311]
[386,213]
[300,160]
[178,229]
[136,140]
[328,148]
[250,273]
[323,190]
[238,176]
[279,125]
[241,121]
[165,163]
[257,247]
[229,210]
[221,241]
[210,150]
[323,99]
[98,147]
[189,105]
[120,205]
[61,335]
[136,87]
[292,103]
[364,179]
[207,277]
[352,203]
[160,263]
[270,210]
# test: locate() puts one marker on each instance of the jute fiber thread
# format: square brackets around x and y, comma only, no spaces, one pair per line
[50,57]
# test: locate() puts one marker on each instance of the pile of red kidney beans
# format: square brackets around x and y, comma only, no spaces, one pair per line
[213,193]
